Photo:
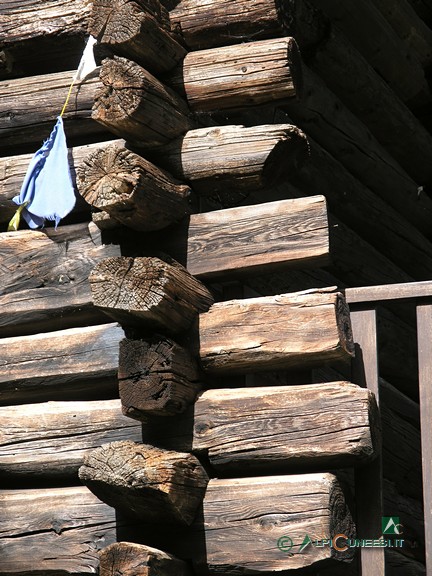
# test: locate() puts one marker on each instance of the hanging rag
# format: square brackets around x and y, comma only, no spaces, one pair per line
[47,192]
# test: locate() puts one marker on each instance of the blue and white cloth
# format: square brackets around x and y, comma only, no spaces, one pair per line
[48,190]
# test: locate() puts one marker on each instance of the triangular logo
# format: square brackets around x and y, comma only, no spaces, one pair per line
[306,542]
[391,525]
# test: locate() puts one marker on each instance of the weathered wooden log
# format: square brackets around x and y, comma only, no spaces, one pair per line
[214,159]
[372,218]
[124,558]
[353,80]
[56,530]
[50,440]
[38,37]
[76,363]
[131,189]
[249,524]
[44,278]
[156,377]
[240,75]
[134,105]
[415,34]
[138,30]
[401,444]
[13,170]
[346,248]
[29,106]
[381,46]
[331,55]
[401,453]
[410,512]
[276,332]
[146,482]
[329,122]
[250,239]
[276,428]
[62,529]
[148,292]
[205,24]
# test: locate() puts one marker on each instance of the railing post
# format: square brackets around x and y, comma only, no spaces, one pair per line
[424,338]
[368,478]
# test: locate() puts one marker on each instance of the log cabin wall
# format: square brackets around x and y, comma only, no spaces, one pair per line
[232,160]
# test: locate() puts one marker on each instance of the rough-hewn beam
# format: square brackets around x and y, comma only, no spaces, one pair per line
[134,105]
[365,212]
[203,24]
[138,30]
[276,332]
[332,56]
[381,46]
[56,531]
[131,189]
[44,278]
[245,522]
[324,117]
[146,482]
[60,530]
[273,428]
[49,440]
[156,377]
[216,158]
[74,363]
[38,36]
[29,106]
[235,76]
[148,292]
[126,558]
[264,237]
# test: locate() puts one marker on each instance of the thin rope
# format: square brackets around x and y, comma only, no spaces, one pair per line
[67,98]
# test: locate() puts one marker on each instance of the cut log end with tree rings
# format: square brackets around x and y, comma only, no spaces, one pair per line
[149,293]
[146,482]
[156,377]
[136,106]
[138,30]
[132,190]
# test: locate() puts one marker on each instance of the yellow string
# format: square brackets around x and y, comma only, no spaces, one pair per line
[16,218]
[67,98]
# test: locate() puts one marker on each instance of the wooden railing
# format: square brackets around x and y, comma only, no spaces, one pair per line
[363,308]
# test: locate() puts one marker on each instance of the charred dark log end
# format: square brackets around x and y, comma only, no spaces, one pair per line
[288,155]
[295,64]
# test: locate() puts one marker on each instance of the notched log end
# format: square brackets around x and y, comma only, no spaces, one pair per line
[127,558]
[143,481]
[131,189]
[133,104]
[148,291]
[157,377]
